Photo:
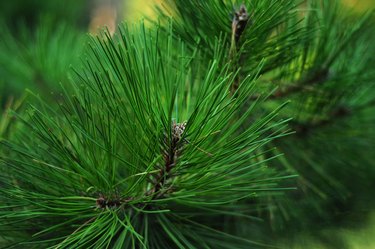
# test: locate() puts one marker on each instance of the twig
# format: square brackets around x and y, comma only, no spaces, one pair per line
[339,113]
[304,128]
[170,157]
[315,78]
[239,22]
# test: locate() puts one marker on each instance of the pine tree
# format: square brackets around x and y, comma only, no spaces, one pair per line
[190,131]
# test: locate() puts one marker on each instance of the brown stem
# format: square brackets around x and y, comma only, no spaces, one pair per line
[170,156]
[304,128]
[339,113]
[315,78]
[239,22]
[111,201]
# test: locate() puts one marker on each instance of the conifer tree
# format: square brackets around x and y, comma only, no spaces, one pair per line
[208,128]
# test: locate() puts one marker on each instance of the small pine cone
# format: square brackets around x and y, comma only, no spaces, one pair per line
[177,130]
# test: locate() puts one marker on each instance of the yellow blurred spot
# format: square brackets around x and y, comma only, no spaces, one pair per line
[135,10]
[360,5]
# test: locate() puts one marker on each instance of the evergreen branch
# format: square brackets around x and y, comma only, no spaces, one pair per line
[122,127]
[163,139]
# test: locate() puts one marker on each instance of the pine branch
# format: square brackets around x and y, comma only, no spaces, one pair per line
[116,151]
[163,139]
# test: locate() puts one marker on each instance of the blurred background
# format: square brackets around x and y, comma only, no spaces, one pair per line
[28,48]
[22,34]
